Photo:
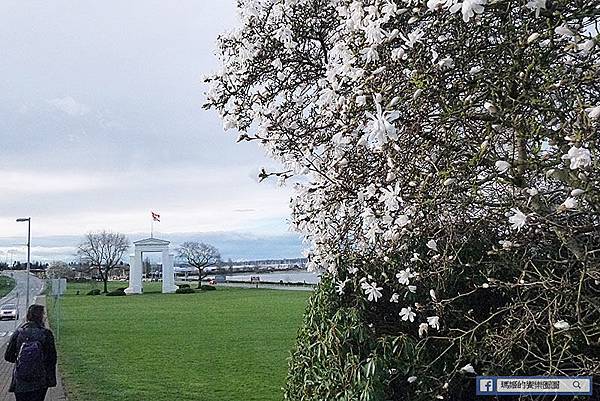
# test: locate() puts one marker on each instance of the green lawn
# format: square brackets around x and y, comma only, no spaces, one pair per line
[223,345]
[6,285]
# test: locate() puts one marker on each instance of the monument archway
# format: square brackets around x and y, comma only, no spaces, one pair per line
[135,265]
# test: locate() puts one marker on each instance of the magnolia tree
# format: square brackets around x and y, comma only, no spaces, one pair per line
[59,269]
[444,157]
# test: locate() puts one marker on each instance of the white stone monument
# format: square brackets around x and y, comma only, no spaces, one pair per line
[135,265]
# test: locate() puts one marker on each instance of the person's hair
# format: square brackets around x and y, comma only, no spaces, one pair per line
[35,313]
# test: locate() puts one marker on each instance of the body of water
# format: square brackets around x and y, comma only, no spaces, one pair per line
[276,277]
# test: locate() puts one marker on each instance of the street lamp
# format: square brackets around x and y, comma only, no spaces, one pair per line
[28,220]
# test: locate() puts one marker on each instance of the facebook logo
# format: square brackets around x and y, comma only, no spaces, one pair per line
[533,385]
[486,386]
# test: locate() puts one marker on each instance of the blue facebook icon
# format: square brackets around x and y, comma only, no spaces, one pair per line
[485,386]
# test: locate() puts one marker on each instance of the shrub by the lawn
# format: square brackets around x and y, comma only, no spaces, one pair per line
[184,286]
[95,291]
[6,285]
[119,292]
[185,290]
[208,288]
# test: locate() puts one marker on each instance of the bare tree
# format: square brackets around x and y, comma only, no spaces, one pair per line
[104,251]
[199,255]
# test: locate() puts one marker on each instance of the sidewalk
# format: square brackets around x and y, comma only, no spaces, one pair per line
[54,394]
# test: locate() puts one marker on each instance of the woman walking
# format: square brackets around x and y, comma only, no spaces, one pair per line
[32,350]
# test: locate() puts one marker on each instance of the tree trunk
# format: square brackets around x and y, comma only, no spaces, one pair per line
[104,277]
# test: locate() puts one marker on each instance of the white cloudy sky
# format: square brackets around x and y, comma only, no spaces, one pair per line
[101,121]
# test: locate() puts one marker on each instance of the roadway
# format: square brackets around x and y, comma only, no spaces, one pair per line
[18,296]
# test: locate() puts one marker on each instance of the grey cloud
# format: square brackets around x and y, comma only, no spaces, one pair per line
[101,120]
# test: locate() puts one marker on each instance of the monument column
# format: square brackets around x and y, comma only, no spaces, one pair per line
[168,274]
[135,273]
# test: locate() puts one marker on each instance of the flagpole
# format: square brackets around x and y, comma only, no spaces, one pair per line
[152,227]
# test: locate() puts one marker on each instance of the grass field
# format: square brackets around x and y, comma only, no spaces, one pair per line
[6,285]
[223,345]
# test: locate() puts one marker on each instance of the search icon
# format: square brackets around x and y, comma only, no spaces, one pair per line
[576,384]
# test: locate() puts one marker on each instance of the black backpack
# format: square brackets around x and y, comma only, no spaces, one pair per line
[30,361]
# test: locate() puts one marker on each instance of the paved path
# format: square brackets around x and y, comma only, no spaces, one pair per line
[8,326]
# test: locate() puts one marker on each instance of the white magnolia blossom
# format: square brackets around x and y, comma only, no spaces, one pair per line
[412,379]
[569,203]
[391,198]
[518,219]
[533,37]
[373,32]
[593,112]
[537,6]
[434,5]
[404,276]
[381,126]
[423,327]
[578,157]
[469,8]
[490,107]
[402,220]
[412,38]
[577,191]
[395,298]
[449,181]
[277,64]
[564,30]
[285,36]
[475,70]
[407,314]
[398,54]
[370,54]
[502,166]
[434,322]
[431,244]
[468,368]
[586,47]
[372,291]
[340,285]
[446,62]
[562,325]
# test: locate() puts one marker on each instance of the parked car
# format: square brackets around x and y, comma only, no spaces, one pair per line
[9,311]
[212,282]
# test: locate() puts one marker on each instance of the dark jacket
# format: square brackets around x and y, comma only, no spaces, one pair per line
[39,333]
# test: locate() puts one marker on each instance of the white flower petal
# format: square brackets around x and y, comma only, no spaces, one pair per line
[562,325]
[468,368]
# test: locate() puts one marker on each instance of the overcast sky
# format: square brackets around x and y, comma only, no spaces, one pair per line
[101,122]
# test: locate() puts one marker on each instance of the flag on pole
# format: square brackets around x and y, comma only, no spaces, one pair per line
[155,216]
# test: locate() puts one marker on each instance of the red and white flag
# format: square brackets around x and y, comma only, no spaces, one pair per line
[155,216]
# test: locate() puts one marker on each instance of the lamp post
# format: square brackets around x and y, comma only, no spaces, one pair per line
[28,220]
